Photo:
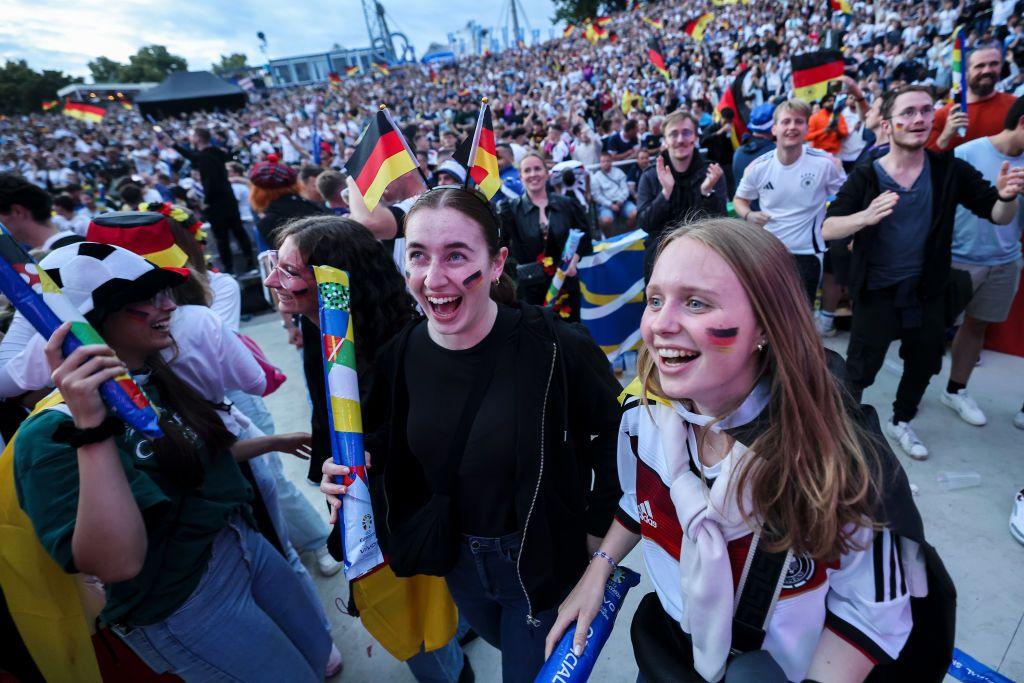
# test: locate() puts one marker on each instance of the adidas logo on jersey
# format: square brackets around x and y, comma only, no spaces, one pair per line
[769,186]
[646,514]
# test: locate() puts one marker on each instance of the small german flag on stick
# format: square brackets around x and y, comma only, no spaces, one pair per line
[381,157]
[383,68]
[353,70]
[656,57]
[481,149]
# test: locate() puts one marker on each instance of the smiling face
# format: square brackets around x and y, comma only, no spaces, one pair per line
[534,173]
[699,328]
[790,127]
[984,68]
[449,271]
[911,119]
[140,329]
[293,282]
[680,138]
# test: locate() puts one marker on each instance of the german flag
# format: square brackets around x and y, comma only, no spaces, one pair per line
[381,157]
[596,32]
[127,105]
[653,23]
[480,148]
[353,70]
[603,21]
[840,6]
[567,31]
[813,71]
[732,98]
[383,68]
[84,112]
[52,104]
[695,28]
[656,57]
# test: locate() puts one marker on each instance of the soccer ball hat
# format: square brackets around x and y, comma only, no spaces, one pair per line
[100,279]
[146,233]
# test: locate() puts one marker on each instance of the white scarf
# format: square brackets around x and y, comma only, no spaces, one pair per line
[709,519]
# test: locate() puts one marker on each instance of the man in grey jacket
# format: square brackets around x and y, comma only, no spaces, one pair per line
[609,189]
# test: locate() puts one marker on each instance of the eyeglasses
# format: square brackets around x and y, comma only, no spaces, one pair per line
[911,113]
[684,133]
[270,262]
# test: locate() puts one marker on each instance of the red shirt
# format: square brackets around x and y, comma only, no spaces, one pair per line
[983,119]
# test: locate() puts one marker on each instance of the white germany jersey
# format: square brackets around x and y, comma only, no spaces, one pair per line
[794,196]
[864,597]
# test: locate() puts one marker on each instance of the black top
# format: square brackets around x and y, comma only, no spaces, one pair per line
[484,489]
[282,210]
[213,174]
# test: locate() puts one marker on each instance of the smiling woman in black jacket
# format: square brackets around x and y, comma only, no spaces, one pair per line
[493,427]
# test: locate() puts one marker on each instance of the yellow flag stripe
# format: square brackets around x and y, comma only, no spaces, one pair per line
[347,417]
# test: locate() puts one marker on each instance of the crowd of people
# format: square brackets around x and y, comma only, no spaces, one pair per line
[504,455]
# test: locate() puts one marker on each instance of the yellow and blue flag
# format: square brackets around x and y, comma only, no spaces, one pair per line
[612,289]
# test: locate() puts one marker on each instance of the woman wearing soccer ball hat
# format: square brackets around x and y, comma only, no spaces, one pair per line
[165,524]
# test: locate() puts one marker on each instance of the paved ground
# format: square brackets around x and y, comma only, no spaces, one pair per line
[969,526]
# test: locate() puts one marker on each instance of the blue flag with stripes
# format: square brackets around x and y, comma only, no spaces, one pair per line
[612,289]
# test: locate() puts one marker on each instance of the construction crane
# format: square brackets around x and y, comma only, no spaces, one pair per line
[391,45]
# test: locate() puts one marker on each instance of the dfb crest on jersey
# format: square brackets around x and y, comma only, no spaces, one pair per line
[799,573]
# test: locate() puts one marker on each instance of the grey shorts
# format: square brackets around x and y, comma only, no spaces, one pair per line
[994,290]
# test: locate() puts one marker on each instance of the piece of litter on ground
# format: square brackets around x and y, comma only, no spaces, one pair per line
[914,489]
[369,650]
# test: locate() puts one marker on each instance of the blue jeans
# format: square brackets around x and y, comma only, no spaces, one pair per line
[443,665]
[485,586]
[626,210]
[249,619]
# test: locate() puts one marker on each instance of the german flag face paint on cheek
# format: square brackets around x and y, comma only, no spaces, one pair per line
[723,338]
[474,279]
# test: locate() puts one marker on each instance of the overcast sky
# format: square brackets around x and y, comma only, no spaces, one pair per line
[67,34]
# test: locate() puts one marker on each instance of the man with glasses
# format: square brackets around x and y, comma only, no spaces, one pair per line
[986,108]
[682,184]
[900,210]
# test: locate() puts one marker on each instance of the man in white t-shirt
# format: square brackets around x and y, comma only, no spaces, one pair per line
[792,184]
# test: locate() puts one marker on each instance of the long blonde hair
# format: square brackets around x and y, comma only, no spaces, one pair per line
[809,480]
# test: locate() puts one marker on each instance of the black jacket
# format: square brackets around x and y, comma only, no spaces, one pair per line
[210,162]
[520,232]
[567,420]
[655,213]
[954,181]
[282,210]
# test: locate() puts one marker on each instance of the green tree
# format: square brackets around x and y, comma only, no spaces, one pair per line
[152,63]
[575,11]
[23,90]
[233,62]
[106,70]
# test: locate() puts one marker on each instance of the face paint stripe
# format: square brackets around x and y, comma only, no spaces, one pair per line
[722,336]
[473,278]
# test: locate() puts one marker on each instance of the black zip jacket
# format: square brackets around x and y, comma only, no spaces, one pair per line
[954,181]
[566,478]
[655,213]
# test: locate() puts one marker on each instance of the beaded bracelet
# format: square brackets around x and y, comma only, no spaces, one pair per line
[606,556]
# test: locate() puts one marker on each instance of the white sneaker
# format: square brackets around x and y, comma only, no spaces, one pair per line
[904,434]
[334,663]
[964,406]
[1017,517]
[327,565]
[825,325]
[1018,420]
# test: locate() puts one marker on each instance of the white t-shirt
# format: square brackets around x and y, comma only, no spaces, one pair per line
[854,143]
[947,17]
[794,196]
[227,299]
[1001,11]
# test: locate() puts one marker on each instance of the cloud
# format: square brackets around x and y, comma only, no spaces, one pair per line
[67,34]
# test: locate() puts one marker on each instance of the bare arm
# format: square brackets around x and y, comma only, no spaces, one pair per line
[836,661]
[109,540]
[298,444]
[838,227]
[380,221]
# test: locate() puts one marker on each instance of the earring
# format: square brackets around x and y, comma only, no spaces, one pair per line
[761,345]
[497,280]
